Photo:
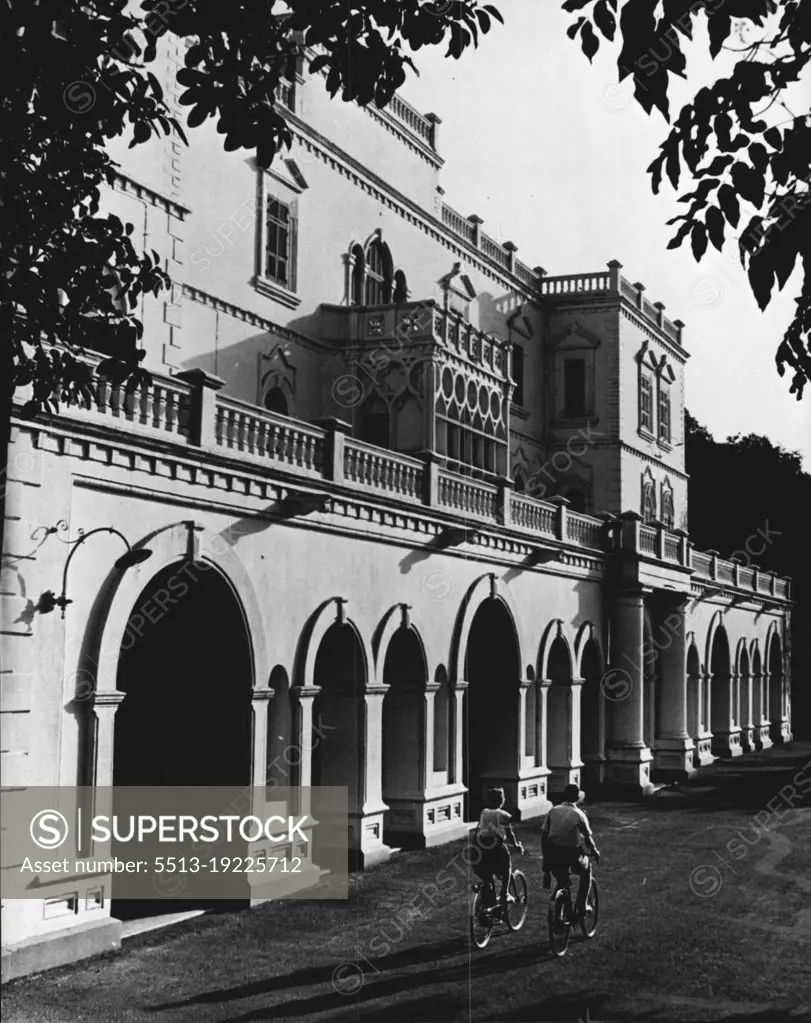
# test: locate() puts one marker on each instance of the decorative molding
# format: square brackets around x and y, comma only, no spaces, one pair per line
[123,183]
[219,472]
[653,461]
[381,190]
[277,292]
[254,319]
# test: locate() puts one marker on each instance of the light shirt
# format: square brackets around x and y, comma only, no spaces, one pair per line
[565,826]
[492,822]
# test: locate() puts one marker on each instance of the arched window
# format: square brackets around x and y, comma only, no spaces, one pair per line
[372,278]
[648,501]
[577,500]
[358,267]
[378,275]
[668,512]
[400,288]
[275,401]
[373,423]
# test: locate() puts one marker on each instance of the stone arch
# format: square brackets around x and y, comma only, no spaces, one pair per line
[555,630]
[587,633]
[744,694]
[397,617]
[327,614]
[696,724]
[485,588]
[726,740]
[202,551]
[590,666]
[777,693]
[490,726]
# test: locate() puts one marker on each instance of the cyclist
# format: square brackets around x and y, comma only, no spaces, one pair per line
[565,838]
[493,835]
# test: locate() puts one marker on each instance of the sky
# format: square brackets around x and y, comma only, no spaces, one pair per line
[551,152]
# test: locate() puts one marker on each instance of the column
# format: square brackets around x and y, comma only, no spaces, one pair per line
[628,763]
[456,767]
[703,737]
[674,744]
[726,733]
[564,724]
[303,697]
[366,822]
[746,723]
[765,725]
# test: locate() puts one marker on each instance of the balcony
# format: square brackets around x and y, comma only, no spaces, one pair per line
[413,324]
[190,416]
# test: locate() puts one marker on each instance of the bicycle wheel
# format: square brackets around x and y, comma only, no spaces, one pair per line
[481,923]
[517,911]
[559,925]
[588,923]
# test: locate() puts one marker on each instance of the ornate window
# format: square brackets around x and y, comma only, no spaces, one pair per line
[276,401]
[372,280]
[645,403]
[648,498]
[668,511]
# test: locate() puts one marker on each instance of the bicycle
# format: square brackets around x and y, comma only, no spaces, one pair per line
[562,917]
[486,911]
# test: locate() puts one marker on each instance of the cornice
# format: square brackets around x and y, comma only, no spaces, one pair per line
[254,319]
[654,461]
[633,314]
[393,125]
[390,197]
[233,483]
[123,183]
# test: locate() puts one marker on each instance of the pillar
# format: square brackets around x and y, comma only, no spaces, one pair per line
[366,820]
[726,733]
[764,739]
[746,722]
[628,763]
[303,697]
[565,763]
[456,769]
[674,744]
[703,737]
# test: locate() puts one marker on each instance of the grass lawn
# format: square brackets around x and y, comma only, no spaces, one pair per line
[705,915]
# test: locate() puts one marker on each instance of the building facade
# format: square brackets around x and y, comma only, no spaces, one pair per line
[417,516]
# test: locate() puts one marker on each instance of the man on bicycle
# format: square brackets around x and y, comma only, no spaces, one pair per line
[493,834]
[565,838]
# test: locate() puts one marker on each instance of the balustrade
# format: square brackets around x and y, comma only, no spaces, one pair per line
[384,470]
[260,434]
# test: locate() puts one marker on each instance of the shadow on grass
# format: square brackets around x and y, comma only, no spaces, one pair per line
[371,981]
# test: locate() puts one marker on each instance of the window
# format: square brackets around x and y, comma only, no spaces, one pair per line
[648,501]
[668,513]
[400,288]
[574,388]
[373,423]
[577,500]
[664,415]
[275,401]
[645,403]
[518,374]
[280,243]
[372,279]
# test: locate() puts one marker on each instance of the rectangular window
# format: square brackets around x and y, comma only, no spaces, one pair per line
[664,415]
[645,403]
[518,374]
[280,243]
[574,388]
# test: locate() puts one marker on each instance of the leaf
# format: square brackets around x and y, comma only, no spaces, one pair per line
[728,200]
[589,41]
[698,240]
[572,30]
[715,227]
[605,20]
[759,156]
[719,25]
[493,12]
[761,278]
